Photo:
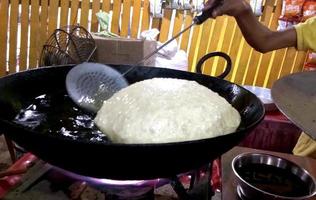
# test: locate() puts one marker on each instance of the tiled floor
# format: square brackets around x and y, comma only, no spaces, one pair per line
[5,160]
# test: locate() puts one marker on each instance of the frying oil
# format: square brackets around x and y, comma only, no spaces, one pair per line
[56,114]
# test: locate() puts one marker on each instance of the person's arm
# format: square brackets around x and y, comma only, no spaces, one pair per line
[256,34]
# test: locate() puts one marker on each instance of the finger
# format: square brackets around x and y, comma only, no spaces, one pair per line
[209,4]
[221,9]
[217,12]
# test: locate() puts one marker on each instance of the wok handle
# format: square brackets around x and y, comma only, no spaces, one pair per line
[213,54]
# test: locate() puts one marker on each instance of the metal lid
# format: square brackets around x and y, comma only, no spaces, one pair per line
[295,96]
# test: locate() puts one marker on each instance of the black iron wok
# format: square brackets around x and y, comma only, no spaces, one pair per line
[120,161]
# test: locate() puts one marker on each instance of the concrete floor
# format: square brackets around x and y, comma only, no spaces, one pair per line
[5,160]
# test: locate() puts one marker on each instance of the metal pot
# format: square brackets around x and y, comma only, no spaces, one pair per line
[264,176]
[104,159]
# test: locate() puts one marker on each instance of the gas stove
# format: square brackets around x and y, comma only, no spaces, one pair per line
[44,181]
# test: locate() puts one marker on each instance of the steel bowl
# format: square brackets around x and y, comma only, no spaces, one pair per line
[264,94]
[265,177]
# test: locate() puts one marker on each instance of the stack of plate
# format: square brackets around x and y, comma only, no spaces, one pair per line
[264,94]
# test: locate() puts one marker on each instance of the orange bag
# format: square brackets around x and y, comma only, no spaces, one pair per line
[310,63]
[310,68]
[309,9]
[292,9]
[311,58]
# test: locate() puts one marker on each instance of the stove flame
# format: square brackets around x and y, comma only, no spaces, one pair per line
[125,188]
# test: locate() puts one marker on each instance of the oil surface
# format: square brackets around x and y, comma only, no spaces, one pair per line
[274,180]
[56,114]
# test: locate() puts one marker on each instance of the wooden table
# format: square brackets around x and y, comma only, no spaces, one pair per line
[228,177]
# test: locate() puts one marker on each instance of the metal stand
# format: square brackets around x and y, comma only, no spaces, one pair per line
[11,150]
[199,189]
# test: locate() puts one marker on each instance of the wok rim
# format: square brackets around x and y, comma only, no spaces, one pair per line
[112,144]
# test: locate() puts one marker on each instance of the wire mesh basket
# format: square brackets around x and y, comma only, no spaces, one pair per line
[68,45]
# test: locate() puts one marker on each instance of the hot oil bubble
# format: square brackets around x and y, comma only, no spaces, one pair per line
[59,116]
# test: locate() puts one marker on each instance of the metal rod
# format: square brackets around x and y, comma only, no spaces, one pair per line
[158,49]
